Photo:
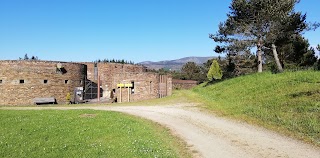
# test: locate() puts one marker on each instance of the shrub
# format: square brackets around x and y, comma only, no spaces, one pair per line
[215,73]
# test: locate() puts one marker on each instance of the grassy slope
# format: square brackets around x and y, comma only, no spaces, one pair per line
[288,102]
[83,133]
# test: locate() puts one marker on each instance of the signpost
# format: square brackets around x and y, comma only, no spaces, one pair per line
[122,85]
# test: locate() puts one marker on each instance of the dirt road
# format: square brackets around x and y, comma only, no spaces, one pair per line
[210,136]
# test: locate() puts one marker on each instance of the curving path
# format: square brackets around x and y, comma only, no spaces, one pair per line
[210,136]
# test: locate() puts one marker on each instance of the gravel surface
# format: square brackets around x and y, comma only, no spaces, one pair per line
[210,136]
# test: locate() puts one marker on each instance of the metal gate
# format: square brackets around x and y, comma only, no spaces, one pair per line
[90,90]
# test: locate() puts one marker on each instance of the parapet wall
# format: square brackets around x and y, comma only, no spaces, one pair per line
[21,81]
[107,70]
[183,84]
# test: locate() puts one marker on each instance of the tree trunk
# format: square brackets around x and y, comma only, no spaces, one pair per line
[259,54]
[276,58]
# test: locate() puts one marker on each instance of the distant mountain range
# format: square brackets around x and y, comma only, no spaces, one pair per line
[174,64]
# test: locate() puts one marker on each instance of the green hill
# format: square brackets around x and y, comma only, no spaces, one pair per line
[288,102]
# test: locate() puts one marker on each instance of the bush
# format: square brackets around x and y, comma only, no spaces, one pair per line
[316,65]
[273,68]
[215,72]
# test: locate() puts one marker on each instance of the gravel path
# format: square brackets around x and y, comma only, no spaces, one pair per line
[210,136]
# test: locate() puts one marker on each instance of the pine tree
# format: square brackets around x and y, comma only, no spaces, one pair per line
[26,57]
[317,64]
[308,58]
[259,23]
[191,71]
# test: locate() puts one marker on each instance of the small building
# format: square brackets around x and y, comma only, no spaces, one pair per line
[23,80]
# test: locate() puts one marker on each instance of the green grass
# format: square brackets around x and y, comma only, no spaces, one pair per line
[288,102]
[83,133]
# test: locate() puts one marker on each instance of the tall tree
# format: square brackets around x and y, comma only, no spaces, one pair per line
[308,58]
[244,63]
[34,58]
[295,51]
[26,57]
[317,65]
[259,23]
[191,71]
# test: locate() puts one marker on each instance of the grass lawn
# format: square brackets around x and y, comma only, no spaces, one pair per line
[83,133]
[288,102]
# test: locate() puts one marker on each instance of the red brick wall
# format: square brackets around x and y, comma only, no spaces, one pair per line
[12,92]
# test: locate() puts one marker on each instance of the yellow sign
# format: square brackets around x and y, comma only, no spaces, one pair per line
[120,85]
[124,85]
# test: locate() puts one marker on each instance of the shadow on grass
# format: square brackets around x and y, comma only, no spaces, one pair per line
[307,93]
[212,82]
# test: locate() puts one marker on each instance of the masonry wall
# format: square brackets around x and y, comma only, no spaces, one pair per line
[146,84]
[21,81]
[183,84]
[107,70]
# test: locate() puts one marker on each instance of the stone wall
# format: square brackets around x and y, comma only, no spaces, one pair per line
[146,84]
[21,81]
[184,84]
[107,70]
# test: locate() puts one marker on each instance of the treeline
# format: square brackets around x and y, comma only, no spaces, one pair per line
[271,27]
[245,62]
[122,61]
[26,57]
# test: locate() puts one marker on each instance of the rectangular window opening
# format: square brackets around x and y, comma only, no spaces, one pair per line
[21,81]
[132,88]
[66,81]
[0,81]
[45,81]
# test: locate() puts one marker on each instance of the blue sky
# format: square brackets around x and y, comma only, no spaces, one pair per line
[137,30]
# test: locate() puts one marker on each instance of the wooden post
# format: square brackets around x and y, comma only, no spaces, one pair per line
[162,78]
[98,88]
[120,95]
[160,86]
[166,81]
[128,94]
[162,90]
